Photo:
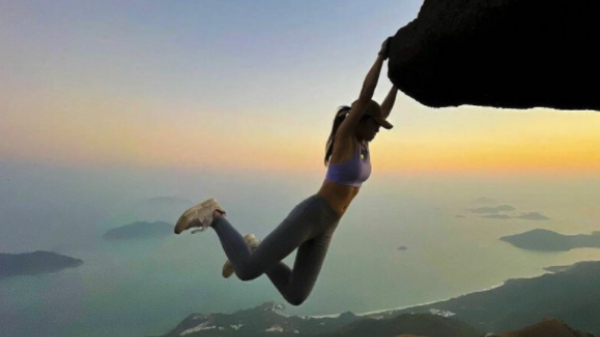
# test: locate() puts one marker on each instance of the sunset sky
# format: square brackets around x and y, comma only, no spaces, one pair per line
[232,85]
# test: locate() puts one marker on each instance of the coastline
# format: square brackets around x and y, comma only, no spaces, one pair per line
[384,311]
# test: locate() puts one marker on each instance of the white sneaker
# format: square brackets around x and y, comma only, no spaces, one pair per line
[252,242]
[198,216]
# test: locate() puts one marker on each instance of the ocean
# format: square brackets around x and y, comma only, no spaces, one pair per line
[406,239]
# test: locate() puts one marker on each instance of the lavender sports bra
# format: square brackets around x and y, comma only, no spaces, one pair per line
[352,172]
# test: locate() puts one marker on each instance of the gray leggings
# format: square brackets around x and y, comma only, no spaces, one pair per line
[309,227]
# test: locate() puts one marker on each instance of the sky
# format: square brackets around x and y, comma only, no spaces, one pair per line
[242,86]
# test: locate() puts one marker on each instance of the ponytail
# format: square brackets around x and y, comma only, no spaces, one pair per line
[340,116]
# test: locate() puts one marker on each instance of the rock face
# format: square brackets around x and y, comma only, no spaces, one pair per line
[501,53]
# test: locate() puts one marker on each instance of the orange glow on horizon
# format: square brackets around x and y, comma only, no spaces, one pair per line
[502,142]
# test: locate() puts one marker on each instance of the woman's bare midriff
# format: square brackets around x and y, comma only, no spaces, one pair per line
[337,195]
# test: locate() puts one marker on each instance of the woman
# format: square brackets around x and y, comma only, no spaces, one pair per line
[311,224]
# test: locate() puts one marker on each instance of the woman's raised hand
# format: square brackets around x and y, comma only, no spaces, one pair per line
[385,48]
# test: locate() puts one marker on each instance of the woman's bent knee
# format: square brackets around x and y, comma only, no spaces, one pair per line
[247,275]
[295,299]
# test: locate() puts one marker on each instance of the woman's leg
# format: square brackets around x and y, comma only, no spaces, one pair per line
[272,250]
[297,227]
[309,226]
[296,285]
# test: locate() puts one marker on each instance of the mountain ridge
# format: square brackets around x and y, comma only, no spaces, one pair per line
[568,295]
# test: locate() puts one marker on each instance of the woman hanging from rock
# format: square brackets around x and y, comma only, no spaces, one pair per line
[309,227]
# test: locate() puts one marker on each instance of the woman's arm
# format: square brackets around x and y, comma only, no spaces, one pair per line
[357,109]
[370,82]
[388,103]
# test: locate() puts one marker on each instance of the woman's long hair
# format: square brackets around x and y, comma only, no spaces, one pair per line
[337,121]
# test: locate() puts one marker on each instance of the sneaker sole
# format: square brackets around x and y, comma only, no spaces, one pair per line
[228,266]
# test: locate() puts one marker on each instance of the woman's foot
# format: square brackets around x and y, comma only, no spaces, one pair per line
[252,242]
[215,215]
[199,216]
